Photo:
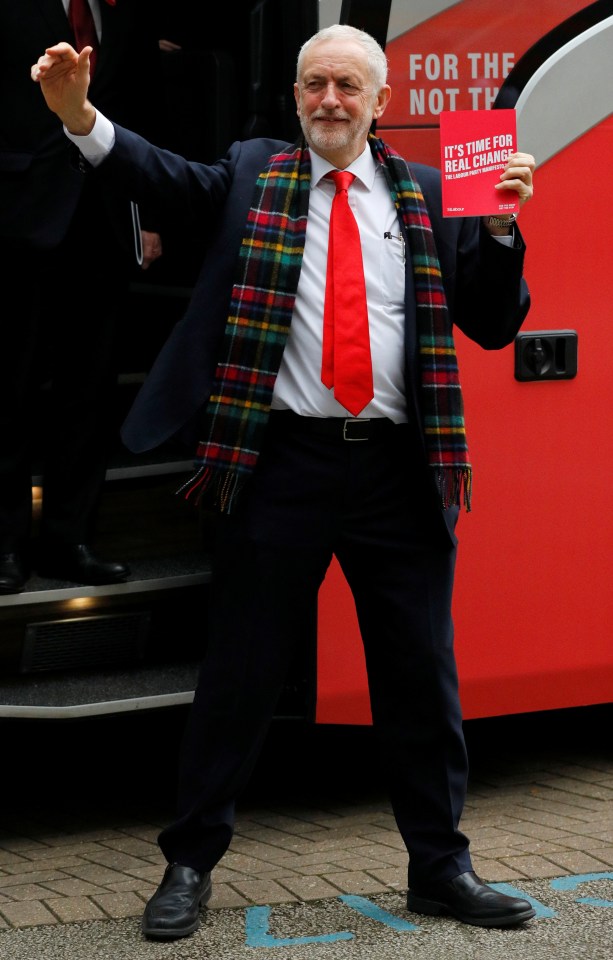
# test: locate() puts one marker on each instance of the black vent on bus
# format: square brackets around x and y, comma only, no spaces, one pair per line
[83,642]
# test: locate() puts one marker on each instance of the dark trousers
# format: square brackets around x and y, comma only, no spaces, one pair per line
[369,503]
[58,379]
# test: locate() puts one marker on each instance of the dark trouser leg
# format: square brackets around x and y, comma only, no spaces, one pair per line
[92,281]
[60,333]
[18,379]
[257,610]
[400,567]
[271,556]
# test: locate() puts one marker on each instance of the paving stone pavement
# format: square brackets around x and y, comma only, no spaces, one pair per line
[546,814]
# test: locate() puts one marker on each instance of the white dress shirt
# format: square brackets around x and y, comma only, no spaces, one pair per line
[298,386]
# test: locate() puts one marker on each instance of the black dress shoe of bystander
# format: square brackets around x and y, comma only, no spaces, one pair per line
[78,563]
[174,909]
[469,899]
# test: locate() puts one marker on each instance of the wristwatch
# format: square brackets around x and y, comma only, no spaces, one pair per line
[502,221]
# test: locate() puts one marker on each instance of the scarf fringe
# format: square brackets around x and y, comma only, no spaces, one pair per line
[195,485]
[455,486]
[223,488]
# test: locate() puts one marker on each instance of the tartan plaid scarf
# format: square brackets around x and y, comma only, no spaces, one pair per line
[441,396]
[258,324]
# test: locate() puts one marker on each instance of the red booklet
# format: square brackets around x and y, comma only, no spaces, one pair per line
[475,146]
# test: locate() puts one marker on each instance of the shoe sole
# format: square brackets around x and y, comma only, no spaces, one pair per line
[154,933]
[434,908]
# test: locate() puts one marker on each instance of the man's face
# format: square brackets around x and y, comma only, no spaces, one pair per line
[337,101]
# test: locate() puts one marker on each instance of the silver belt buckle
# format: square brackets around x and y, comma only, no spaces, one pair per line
[354,420]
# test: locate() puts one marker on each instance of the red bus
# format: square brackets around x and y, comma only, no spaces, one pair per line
[532,609]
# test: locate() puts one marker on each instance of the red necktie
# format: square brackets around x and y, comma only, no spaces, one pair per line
[84,28]
[346,363]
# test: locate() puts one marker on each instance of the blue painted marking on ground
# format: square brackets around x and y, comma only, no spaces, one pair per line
[369,909]
[595,902]
[257,932]
[571,883]
[541,910]
[257,919]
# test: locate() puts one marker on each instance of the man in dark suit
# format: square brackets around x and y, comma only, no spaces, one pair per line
[58,229]
[295,477]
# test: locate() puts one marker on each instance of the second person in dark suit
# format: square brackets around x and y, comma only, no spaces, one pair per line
[58,231]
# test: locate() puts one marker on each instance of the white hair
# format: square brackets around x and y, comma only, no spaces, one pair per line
[377,61]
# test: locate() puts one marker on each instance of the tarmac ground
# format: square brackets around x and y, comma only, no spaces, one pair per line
[316,869]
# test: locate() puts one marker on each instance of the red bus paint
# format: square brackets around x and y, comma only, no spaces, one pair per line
[533,607]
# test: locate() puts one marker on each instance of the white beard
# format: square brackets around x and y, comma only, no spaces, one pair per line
[335,136]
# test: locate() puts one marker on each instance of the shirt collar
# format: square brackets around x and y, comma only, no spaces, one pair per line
[364,167]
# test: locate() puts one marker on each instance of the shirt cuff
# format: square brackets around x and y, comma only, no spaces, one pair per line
[506,240]
[97,144]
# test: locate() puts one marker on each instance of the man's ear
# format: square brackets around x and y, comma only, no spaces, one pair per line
[297,98]
[383,98]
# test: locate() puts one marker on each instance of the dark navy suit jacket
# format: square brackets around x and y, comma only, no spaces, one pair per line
[486,294]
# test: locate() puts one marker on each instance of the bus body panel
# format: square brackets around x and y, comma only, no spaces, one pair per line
[532,608]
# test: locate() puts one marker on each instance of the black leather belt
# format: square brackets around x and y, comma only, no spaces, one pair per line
[336,428]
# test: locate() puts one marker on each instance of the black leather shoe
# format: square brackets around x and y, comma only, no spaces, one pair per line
[14,573]
[174,909]
[469,899]
[77,562]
